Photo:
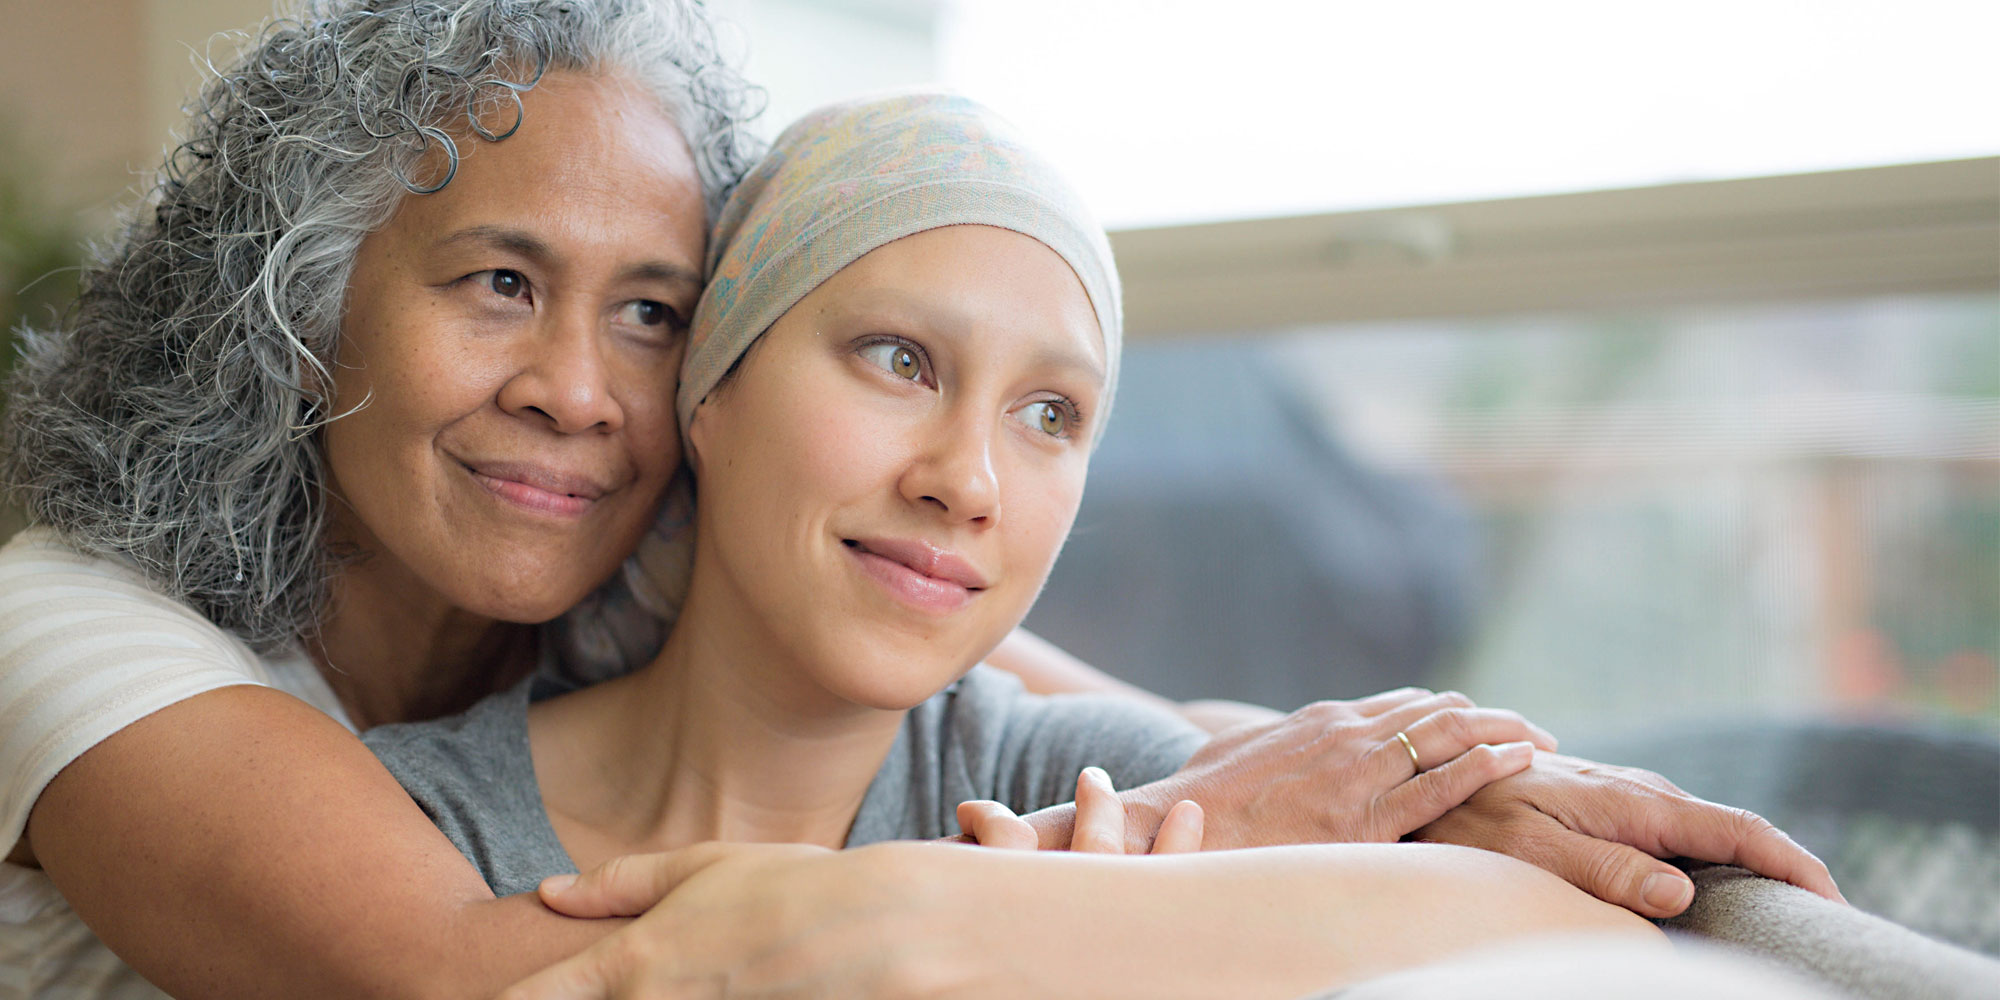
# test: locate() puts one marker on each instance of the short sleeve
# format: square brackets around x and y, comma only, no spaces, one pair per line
[86,649]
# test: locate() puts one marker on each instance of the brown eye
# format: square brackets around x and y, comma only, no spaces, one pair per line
[1054,420]
[646,312]
[900,360]
[1050,416]
[508,283]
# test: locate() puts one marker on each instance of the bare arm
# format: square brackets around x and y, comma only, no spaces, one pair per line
[898,920]
[242,844]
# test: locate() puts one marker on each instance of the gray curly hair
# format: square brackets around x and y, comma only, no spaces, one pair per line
[171,418]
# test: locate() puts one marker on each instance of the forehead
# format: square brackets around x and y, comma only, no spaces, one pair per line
[595,158]
[973,278]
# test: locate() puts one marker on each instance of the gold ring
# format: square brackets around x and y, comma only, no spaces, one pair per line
[1412,748]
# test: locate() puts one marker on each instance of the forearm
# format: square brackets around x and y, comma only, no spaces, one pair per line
[1274,922]
[242,844]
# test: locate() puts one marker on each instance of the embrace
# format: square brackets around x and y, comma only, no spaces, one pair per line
[663,509]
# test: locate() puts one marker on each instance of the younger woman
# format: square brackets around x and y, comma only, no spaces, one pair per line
[894,380]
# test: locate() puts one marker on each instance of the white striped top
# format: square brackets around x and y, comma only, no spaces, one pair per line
[87,647]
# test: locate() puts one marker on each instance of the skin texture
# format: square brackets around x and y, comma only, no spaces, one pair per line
[901,403]
[593,205]
[507,365]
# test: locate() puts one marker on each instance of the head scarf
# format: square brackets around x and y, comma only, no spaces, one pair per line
[842,181]
[854,176]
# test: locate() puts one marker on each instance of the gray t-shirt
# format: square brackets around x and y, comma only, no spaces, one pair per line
[982,738]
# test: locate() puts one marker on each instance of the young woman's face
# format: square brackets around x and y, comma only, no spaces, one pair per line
[887,478]
[516,338]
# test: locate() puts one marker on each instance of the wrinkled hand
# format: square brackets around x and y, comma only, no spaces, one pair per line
[730,920]
[1100,822]
[1603,829]
[1334,772]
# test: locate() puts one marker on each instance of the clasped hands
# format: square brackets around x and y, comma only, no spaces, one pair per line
[1335,772]
[1332,772]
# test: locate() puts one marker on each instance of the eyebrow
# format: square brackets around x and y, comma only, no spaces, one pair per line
[1073,361]
[526,244]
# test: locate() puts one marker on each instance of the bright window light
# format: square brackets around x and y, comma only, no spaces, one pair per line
[1170,111]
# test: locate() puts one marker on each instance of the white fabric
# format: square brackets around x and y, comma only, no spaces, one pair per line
[87,647]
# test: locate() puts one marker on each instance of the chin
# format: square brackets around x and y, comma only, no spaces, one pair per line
[897,679]
[528,597]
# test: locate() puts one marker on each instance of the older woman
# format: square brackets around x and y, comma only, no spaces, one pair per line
[377,382]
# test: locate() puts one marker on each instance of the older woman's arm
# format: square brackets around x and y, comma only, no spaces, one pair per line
[907,920]
[1046,668]
[242,844]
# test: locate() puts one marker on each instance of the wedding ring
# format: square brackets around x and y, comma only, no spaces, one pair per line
[1412,748]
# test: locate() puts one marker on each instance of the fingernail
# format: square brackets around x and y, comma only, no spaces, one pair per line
[1522,749]
[1665,892]
[1097,776]
[558,884]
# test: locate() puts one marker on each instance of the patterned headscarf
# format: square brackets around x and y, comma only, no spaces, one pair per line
[842,181]
[852,177]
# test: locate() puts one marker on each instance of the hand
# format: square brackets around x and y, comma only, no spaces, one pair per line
[1604,828]
[763,920]
[1100,822]
[1334,772]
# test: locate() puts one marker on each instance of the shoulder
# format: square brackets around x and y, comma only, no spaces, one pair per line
[473,774]
[53,596]
[1026,749]
[470,746]
[87,647]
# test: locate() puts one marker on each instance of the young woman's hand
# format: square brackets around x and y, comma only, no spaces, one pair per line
[1100,822]
[1604,829]
[1338,772]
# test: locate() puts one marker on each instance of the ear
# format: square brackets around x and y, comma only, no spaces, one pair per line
[701,428]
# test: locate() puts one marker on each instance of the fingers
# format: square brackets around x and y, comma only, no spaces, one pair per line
[626,886]
[1100,817]
[1703,830]
[1421,800]
[1376,704]
[992,824]
[1440,731]
[1180,832]
[1613,872]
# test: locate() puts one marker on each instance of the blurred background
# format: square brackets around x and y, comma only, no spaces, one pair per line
[1636,366]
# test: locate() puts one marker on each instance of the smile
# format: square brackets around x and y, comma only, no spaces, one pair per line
[538,490]
[917,573]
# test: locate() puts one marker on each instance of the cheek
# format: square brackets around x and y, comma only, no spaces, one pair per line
[1041,504]
[652,428]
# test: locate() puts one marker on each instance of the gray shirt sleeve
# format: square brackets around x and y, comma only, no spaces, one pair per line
[474,776]
[987,738]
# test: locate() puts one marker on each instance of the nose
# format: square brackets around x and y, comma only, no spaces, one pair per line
[953,472]
[560,377]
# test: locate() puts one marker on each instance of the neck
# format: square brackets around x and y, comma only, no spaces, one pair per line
[393,650]
[719,738]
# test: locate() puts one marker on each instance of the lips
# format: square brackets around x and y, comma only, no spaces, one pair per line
[539,488]
[918,573]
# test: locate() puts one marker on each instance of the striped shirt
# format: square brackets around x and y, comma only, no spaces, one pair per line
[87,647]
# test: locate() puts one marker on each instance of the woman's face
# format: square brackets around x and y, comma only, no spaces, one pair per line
[887,478]
[509,355]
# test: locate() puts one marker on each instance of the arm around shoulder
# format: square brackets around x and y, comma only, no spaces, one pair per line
[246,808]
